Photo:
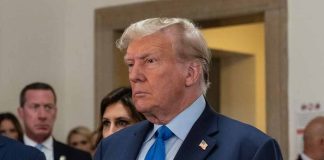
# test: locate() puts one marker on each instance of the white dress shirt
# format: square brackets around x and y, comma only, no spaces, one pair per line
[47,146]
[305,157]
[185,119]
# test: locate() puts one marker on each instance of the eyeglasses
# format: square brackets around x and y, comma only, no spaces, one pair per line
[83,142]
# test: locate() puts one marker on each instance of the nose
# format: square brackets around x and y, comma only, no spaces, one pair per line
[42,113]
[112,130]
[136,73]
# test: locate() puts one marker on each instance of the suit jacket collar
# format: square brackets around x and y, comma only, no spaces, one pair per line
[139,137]
[193,146]
[190,149]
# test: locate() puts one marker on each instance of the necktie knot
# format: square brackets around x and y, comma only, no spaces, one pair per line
[157,150]
[164,133]
[39,146]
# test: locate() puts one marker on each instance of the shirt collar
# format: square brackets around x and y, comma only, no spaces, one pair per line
[185,119]
[305,157]
[48,143]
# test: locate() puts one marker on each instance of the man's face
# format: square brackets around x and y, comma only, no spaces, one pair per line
[38,113]
[156,75]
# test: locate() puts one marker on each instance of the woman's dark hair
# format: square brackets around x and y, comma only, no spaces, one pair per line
[123,95]
[11,117]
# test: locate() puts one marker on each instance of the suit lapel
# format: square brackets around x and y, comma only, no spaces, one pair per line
[56,150]
[139,136]
[200,140]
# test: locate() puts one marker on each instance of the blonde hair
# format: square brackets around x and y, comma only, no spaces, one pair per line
[81,130]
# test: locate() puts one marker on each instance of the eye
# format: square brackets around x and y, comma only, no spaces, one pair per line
[49,107]
[84,142]
[74,143]
[12,130]
[105,123]
[150,60]
[34,106]
[129,65]
[122,123]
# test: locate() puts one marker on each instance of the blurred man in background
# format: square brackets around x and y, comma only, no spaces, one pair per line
[38,112]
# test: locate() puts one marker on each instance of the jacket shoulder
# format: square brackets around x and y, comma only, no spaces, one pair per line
[9,149]
[63,150]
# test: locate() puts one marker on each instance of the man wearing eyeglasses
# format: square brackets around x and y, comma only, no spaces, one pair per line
[38,112]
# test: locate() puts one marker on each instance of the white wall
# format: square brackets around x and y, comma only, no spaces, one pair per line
[306,64]
[32,49]
[53,42]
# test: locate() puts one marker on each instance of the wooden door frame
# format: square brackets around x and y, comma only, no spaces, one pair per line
[111,20]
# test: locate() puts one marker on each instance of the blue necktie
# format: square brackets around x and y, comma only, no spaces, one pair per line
[157,150]
[39,147]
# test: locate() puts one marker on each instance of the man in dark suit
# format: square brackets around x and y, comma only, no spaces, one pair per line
[168,63]
[14,150]
[313,140]
[38,112]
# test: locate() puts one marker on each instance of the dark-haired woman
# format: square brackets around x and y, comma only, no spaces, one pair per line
[117,112]
[10,126]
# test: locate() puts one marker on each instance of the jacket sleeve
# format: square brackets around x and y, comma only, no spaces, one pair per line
[98,153]
[270,150]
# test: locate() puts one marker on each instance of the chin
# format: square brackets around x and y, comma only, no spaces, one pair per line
[153,119]
[141,107]
[43,132]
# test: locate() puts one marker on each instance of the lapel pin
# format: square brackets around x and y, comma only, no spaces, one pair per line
[62,157]
[203,145]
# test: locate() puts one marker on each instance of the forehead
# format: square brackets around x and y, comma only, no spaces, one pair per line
[77,136]
[157,42]
[116,110]
[6,123]
[39,94]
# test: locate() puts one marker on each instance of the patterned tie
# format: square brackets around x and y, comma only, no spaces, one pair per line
[157,150]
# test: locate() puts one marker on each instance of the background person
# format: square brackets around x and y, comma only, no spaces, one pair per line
[80,138]
[117,111]
[38,113]
[10,126]
[313,140]
[168,61]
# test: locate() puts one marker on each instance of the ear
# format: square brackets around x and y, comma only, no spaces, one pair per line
[20,112]
[322,141]
[194,70]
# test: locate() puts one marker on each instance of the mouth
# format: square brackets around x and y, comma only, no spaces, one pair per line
[42,126]
[138,94]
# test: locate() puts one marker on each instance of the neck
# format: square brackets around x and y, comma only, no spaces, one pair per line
[314,154]
[164,117]
[38,139]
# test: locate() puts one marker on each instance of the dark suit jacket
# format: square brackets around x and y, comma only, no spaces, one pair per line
[63,150]
[68,152]
[227,139]
[14,150]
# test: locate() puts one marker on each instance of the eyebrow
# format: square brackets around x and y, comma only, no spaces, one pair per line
[119,117]
[143,56]
[124,118]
